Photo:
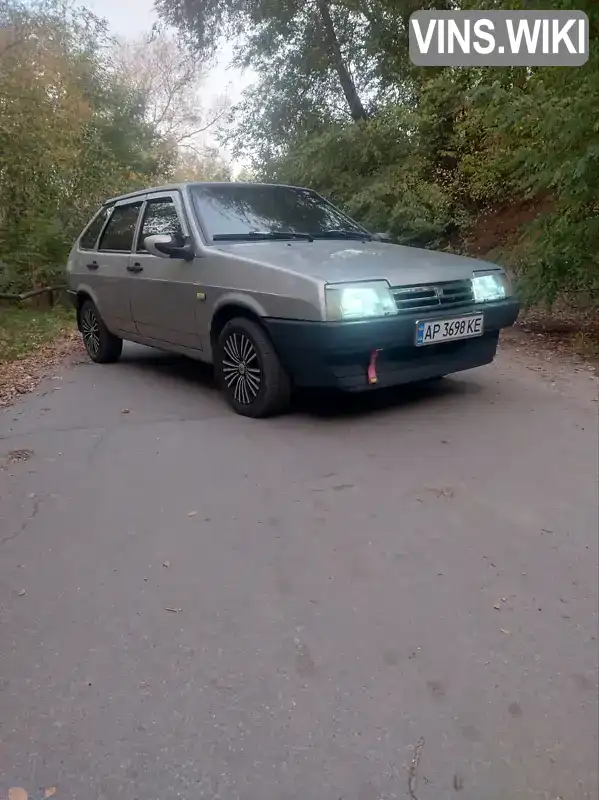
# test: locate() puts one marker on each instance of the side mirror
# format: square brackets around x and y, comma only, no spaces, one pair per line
[382,237]
[169,247]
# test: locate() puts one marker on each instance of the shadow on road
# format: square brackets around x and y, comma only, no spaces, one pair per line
[180,369]
[314,403]
[345,405]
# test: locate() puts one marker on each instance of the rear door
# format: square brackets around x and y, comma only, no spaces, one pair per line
[112,260]
[83,266]
[163,292]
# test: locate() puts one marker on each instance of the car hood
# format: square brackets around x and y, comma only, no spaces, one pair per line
[335,261]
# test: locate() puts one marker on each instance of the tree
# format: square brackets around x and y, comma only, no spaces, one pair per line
[83,118]
[209,166]
[313,35]
[169,80]
[72,132]
[432,149]
[318,62]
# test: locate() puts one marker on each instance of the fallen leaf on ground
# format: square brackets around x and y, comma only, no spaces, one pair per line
[19,455]
[446,491]
[17,793]
[23,376]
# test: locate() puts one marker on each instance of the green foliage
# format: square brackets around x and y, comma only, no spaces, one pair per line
[542,140]
[313,63]
[72,132]
[440,149]
[376,173]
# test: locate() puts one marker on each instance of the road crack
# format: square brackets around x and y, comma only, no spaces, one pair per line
[34,512]
[95,447]
[413,770]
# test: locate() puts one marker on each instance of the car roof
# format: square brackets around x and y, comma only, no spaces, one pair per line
[172,187]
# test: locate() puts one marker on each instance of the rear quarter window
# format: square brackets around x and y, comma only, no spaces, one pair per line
[90,235]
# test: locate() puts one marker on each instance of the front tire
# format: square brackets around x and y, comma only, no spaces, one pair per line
[102,346]
[249,371]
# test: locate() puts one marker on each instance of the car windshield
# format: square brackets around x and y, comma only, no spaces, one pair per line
[255,211]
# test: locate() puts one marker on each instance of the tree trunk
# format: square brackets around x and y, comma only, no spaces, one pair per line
[331,41]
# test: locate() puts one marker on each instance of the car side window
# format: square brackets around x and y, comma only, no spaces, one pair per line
[160,218]
[90,237]
[118,235]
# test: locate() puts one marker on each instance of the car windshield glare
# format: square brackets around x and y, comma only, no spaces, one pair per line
[238,211]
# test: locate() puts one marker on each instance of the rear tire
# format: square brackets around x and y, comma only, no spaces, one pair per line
[101,345]
[249,372]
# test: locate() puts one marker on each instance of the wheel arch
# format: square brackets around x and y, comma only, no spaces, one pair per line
[80,298]
[228,310]
[83,293]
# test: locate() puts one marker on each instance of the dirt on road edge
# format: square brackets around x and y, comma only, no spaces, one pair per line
[23,376]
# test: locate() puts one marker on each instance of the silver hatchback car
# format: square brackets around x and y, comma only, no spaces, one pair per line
[278,288]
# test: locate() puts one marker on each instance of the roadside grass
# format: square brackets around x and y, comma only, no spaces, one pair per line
[24,330]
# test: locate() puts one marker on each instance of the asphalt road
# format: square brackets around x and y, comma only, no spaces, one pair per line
[357,601]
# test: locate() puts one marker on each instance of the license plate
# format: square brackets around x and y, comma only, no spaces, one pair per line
[446,330]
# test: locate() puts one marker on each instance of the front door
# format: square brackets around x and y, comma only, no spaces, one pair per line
[163,292]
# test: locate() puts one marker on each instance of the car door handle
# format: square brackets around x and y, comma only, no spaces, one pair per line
[135,268]
[93,265]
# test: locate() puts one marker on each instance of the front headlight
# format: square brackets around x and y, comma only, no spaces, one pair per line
[359,300]
[489,286]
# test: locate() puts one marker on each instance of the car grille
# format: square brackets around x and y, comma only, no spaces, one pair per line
[431,296]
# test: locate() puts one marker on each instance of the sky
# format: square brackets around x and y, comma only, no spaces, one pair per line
[129,19]
[126,17]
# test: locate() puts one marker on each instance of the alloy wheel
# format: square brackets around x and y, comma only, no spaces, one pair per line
[90,330]
[241,368]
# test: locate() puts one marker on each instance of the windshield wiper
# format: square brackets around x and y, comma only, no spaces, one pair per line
[342,233]
[222,237]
